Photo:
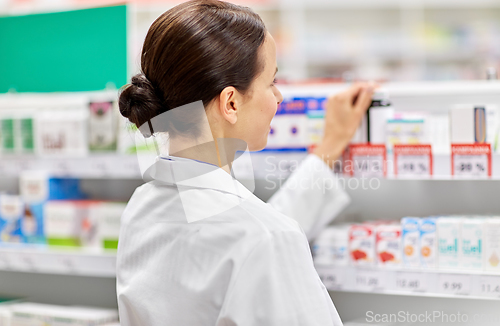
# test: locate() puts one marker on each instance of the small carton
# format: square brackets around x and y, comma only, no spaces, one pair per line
[410,227]
[428,243]
[108,223]
[11,213]
[362,244]
[331,246]
[388,246]
[448,242]
[491,236]
[471,248]
[38,187]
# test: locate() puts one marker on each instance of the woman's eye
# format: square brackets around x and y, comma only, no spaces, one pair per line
[274,82]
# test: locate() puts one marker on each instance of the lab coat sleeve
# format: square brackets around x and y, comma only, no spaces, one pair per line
[312,195]
[277,285]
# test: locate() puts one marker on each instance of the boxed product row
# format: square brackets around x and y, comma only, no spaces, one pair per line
[447,243]
[65,130]
[54,211]
[299,122]
[29,314]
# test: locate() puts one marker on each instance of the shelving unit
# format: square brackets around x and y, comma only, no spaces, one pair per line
[433,283]
[303,53]
[77,262]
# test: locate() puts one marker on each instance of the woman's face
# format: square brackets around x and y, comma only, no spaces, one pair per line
[255,114]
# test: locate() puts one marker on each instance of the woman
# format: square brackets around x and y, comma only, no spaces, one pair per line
[184,260]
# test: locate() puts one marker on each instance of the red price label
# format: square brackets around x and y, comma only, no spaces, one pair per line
[471,160]
[366,160]
[413,160]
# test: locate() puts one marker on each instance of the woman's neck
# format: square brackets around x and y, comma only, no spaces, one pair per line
[219,153]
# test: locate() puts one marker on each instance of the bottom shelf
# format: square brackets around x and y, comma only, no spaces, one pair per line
[431,283]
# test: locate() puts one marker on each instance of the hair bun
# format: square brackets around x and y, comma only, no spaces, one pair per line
[139,101]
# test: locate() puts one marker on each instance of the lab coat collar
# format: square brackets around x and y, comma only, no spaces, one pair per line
[190,173]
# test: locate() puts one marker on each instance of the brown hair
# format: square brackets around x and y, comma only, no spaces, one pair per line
[192,52]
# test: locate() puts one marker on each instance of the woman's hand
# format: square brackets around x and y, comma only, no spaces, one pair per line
[344,112]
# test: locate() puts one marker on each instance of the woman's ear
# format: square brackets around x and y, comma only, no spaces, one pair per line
[229,104]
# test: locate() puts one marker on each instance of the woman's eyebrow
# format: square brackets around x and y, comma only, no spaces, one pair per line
[276,71]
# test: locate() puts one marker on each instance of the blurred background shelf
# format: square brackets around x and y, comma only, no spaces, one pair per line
[70,261]
[427,283]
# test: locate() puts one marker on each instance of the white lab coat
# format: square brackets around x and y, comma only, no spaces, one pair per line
[202,250]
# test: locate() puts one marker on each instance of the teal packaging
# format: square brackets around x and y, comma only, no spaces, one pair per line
[448,242]
[471,251]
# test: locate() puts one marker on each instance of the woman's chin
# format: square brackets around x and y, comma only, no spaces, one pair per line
[257,147]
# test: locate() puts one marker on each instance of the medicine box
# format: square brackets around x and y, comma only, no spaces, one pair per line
[428,242]
[315,110]
[491,236]
[388,245]
[362,244]
[471,247]
[62,132]
[108,223]
[448,242]
[11,213]
[289,126]
[331,246]
[410,228]
[103,125]
[36,188]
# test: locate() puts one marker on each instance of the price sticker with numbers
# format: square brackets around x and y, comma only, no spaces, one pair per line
[471,160]
[366,160]
[455,284]
[490,286]
[412,160]
[331,277]
[369,280]
[411,282]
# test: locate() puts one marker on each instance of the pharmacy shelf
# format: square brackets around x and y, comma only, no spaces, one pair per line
[266,164]
[98,166]
[431,283]
[81,262]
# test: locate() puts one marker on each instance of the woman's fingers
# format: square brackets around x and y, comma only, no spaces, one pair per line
[364,99]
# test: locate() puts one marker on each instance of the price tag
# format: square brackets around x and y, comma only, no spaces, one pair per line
[331,278]
[412,160]
[471,160]
[366,160]
[411,282]
[369,280]
[490,286]
[454,284]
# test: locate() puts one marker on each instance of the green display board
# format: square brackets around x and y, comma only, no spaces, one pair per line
[79,50]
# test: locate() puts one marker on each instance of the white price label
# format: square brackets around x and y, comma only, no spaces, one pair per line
[410,165]
[471,160]
[368,166]
[413,160]
[455,284]
[369,280]
[471,165]
[366,160]
[411,281]
[331,278]
[490,286]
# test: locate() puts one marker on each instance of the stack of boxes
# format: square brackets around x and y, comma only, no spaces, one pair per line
[445,243]
[54,211]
